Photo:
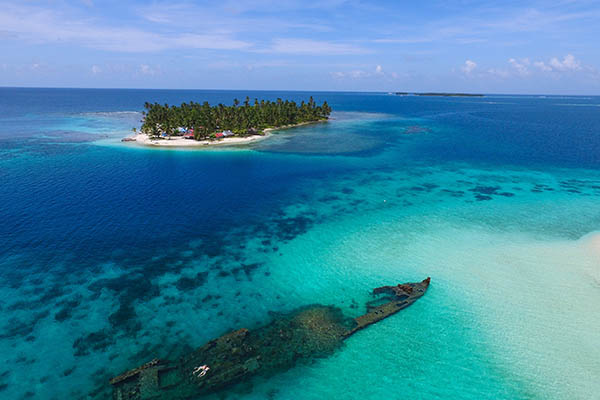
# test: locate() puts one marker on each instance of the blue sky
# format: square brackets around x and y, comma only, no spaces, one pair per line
[472,46]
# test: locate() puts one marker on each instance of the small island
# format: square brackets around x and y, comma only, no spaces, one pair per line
[195,124]
[439,94]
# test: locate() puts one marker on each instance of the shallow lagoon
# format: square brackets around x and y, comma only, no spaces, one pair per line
[115,255]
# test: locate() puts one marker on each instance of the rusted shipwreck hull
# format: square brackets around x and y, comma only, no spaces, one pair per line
[307,333]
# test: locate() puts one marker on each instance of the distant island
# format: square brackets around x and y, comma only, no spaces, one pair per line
[439,94]
[202,124]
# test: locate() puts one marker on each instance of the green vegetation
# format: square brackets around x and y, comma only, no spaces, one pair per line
[242,120]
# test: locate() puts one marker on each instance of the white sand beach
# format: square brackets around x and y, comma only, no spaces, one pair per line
[146,140]
[178,141]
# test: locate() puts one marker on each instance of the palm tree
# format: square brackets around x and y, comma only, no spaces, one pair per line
[205,119]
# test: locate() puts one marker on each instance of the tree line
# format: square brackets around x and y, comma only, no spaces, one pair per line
[242,119]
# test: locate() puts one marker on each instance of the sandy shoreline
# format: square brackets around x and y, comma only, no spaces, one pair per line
[145,140]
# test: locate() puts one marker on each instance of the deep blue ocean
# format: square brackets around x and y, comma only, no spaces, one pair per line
[114,254]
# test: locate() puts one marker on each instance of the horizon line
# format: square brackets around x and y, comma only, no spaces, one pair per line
[299,91]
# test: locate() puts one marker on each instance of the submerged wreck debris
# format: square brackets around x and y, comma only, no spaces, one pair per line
[306,333]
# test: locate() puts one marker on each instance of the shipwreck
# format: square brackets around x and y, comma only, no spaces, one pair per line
[305,334]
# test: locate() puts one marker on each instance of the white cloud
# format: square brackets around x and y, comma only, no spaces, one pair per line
[96,70]
[525,67]
[355,74]
[145,69]
[378,73]
[542,66]
[500,73]
[404,40]
[39,26]
[238,17]
[568,63]
[469,67]
[521,66]
[314,47]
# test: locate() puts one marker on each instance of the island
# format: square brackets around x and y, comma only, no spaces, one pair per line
[303,335]
[195,124]
[439,94]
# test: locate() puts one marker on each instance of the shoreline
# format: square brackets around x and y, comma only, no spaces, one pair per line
[144,140]
[178,141]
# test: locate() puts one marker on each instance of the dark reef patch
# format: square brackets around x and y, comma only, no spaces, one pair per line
[578,186]
[52,293]
[18,328]
[214,247]
[540,187]
[329,198]
[97,341]
[125,318]
[68,307]
[129,288]
[430,186]
[484,193]
[3,376]
[64,314]
[248,270]
[287,229]
[488,190]
[453,193]
[100,389]
[40,302]
[186,283]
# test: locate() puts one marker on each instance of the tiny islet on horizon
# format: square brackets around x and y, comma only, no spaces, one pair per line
[157,244]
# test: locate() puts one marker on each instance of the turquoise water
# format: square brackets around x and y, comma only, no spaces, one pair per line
[115,254]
